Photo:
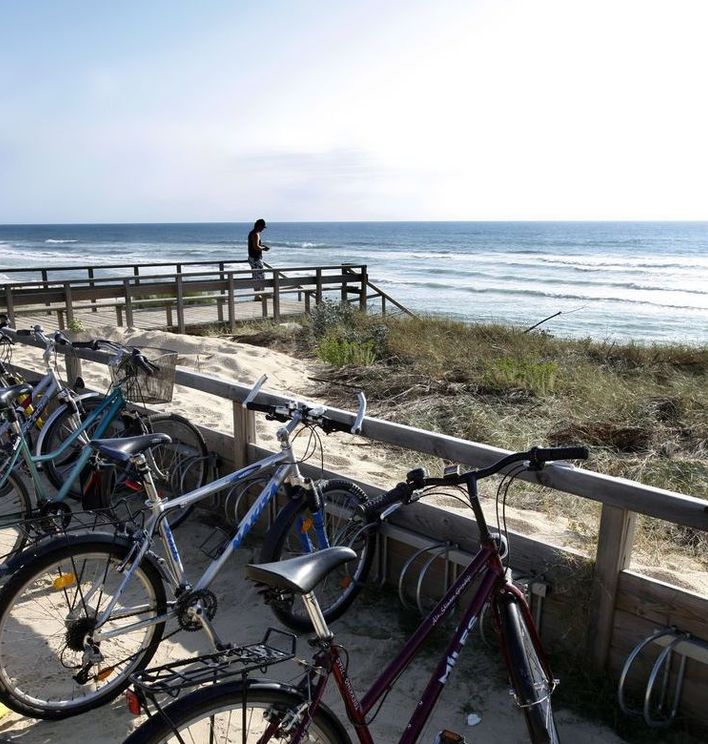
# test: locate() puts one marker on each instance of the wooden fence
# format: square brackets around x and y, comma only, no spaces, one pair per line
[177,295]
[596,607]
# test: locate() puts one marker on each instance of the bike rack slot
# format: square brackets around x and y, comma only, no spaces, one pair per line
[673,642]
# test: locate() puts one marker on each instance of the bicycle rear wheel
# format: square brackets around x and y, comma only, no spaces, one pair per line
[215,714]
[293,533]
[52,663]
[182,466]
[530,677]
[15,510]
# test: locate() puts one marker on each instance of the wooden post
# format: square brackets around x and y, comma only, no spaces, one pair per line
[383,305]
[73,368]
[10,305]
[60,319]
[362,292]
[244,433]
[318,290]
[68,303]
[614,551]
[45,279]
[168,313]
[308,294]
[119,316]
[92,285]
[345,287]
[136,274]
[276,297]
[128,303]
[232,309]
[180,305]
[220,303]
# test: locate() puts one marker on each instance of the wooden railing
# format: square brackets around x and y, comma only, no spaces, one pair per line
[174,292]
[609,631]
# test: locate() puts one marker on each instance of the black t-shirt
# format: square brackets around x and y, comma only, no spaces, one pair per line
[254,249]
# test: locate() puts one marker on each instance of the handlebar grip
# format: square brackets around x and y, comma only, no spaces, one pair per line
[373,507]
[329,424]
[23,332]
[541,454]
[84,345]
[145,364]
[61,339]
[260,407]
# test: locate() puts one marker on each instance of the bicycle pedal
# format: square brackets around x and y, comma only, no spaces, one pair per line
[449,737]
[215,543]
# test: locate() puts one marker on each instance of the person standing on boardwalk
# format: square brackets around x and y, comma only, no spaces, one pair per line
[255,255]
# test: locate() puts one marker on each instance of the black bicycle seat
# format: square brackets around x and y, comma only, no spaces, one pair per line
[124,449]
[303,573]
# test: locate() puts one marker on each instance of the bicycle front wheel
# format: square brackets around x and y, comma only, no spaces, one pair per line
[221,714]
[293,533]
[54,662]
[15,510]
[531,681]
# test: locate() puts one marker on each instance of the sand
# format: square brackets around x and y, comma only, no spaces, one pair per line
[371,630]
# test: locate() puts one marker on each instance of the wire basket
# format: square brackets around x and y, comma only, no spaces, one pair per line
[139,386]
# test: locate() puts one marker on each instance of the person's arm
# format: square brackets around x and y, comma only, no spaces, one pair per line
[260,245]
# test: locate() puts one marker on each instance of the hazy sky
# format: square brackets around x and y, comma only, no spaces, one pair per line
[169,110]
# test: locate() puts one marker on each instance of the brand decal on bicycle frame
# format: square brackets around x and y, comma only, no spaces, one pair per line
[254,512]
[452,659]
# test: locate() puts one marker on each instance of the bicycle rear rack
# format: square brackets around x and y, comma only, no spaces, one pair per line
[673,641]
[171,679]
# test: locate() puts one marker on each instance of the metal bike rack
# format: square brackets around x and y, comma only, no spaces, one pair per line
[674,641]
[436,550]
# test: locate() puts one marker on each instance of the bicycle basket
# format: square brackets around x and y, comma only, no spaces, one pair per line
[140,387]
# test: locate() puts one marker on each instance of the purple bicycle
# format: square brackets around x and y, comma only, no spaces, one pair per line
[240,709]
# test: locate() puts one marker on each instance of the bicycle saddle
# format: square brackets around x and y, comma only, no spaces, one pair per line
[9,394]
[124,449]
[303,573]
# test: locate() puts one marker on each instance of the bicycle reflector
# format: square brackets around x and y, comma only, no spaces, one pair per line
[62,582]
[132,700]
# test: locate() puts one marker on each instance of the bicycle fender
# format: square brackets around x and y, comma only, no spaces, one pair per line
[50,544]
[54,415]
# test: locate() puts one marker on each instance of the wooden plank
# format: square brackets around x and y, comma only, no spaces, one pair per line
[614,551]
[663,604]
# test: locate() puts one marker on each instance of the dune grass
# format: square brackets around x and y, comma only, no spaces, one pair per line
[642,409]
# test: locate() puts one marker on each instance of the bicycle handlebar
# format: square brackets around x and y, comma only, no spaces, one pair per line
[417,479]
[308,414]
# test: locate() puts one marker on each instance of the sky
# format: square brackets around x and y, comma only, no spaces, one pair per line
[219,110]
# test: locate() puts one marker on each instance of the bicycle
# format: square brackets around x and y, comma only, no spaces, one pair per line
[61,447]
[103,597]
[245,710]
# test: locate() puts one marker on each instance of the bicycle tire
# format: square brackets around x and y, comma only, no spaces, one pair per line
[284,540]
[14,500]
[204,706]
[44,618]
[528,675]
[184,461]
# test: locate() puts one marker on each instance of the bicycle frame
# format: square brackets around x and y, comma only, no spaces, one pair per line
[287,469]
[106,411]
[485,564]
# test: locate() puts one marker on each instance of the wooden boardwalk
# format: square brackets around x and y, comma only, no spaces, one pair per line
[155,318]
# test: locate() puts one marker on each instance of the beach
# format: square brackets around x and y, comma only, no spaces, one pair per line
[372,629]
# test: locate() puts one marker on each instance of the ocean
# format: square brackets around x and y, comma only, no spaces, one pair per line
[608,280]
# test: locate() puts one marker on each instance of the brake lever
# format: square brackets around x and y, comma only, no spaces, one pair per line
[254,390]
[356,426]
